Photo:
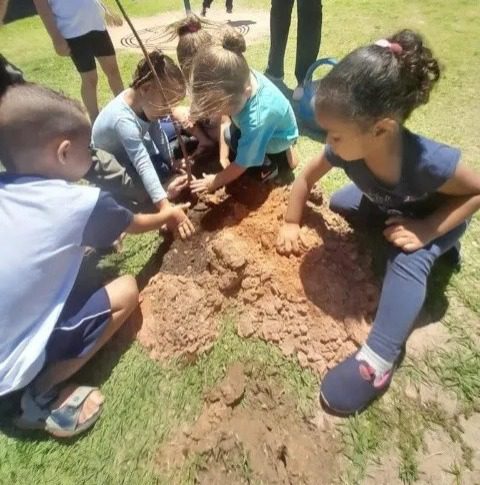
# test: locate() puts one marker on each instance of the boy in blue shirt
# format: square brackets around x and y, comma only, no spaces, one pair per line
[49,327]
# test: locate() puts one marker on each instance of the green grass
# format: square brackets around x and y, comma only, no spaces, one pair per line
[146,400]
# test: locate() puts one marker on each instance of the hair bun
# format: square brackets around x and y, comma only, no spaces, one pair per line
[189,25]
[234,41]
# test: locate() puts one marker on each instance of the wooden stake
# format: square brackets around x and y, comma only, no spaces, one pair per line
[155,75]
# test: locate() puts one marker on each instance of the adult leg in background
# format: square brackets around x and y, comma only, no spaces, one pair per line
[280,19]
[308,36]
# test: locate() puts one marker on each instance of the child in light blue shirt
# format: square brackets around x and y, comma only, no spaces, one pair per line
[129,128]
[50,326]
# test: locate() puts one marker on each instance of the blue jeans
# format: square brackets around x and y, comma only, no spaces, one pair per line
[405,283]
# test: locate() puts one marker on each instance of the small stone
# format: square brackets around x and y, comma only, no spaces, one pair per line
[288,347]
[245,328]
[302,359]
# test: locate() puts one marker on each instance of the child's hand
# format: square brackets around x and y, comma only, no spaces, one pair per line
[408,234]
[204,184]
[288,240]
[61,47]
[177,186]
[177,220]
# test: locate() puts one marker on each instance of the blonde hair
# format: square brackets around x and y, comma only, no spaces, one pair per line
[219,74]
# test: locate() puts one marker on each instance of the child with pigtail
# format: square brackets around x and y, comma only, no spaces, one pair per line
[194,35]
[416,190]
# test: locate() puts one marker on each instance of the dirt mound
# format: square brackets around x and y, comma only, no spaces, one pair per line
[264,440]
[315,307]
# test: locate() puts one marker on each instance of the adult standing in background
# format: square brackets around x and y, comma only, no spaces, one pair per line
[309,32]
[77,29]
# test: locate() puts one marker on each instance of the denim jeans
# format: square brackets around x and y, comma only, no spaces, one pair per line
[405,283]
[308,36]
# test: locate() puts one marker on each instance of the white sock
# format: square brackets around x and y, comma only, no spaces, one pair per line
[380,365]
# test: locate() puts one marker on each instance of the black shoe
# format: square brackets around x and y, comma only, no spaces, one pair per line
[453,256]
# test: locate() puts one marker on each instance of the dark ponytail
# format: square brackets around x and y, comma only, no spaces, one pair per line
[9,75]
[389,78]
[167,71]
[192,36]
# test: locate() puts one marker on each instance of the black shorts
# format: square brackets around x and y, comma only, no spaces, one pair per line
[84,49]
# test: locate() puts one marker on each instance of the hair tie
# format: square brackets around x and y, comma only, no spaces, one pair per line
[188,29]
[393,47]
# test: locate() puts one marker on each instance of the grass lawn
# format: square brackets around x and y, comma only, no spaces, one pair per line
[146,401]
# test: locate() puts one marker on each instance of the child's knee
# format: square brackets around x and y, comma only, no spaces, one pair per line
[415,266]
[123,293]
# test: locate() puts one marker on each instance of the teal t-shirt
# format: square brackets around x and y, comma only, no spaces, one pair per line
[267,124]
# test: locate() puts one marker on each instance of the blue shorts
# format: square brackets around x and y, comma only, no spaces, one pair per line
[82,322]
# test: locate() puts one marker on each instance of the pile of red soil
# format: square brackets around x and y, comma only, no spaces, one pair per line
[263,440]
[315,307]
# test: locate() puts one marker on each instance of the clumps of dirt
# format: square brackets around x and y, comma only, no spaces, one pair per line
[264,440]
[179,316]
[316,307]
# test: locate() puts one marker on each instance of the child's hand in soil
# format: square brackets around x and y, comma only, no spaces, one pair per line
[408,234]
[177,186]
[178,221]
[204,184]
[289,239]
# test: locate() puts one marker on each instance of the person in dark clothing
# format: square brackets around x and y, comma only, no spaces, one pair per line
[208,3]
[308,38]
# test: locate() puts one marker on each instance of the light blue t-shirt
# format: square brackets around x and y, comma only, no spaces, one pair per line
[267,124]
[46,225]
[119,131]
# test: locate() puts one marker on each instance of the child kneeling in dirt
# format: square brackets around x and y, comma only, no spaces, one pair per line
[193,37]
[129,128]
[412,188]
[49,328]
[263,129]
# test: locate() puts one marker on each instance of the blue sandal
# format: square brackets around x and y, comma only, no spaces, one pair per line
[61,422]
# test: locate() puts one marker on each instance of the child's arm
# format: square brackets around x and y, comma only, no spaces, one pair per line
[288,238]
[133,144]
[172,216]
[211,182]
[464,191]
[224,150]
[46,14]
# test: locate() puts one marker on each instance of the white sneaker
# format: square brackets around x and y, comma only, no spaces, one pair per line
[297,93]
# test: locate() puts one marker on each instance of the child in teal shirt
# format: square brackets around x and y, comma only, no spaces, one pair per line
[263,128]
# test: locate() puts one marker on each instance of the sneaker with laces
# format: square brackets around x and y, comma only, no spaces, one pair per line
[352,385]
